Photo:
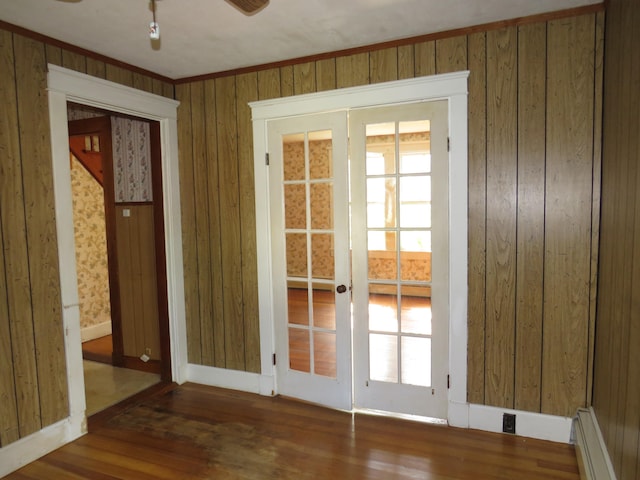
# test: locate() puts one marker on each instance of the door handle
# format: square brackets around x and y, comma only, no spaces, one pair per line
[341,289]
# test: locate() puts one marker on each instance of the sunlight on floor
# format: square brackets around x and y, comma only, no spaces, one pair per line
[105,385]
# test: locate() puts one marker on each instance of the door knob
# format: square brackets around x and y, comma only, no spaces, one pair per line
[341,289]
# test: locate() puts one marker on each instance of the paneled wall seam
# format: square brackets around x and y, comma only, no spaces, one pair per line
[517,213]
[9,342]
[486,211]
[26,226]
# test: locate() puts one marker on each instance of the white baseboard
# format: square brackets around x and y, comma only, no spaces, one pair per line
[528,424]
[232,379]
[95,331]
[593,457]
[28,449]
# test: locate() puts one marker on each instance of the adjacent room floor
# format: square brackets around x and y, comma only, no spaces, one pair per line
[105,385]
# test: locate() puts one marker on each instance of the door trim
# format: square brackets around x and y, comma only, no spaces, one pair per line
[451,86]
[66,85]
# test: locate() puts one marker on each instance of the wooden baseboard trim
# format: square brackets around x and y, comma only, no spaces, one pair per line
[593,458]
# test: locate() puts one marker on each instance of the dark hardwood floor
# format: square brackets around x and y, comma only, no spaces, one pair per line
[197,432]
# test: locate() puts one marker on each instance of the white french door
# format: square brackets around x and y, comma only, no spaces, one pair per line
[396,249]
[310,254]
[399,235]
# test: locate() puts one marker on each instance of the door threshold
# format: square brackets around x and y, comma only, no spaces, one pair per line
[402,416]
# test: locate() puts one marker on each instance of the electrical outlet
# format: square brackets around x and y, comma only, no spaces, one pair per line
[147,351]
[509,423]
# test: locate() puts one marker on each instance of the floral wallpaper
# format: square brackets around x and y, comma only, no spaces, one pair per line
[131,160]
[91,247]
[321,199]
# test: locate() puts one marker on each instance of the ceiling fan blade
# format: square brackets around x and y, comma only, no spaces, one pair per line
[249,6]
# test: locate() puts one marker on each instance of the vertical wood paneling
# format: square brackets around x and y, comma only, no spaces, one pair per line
[54,55]
[230,219]
[304,78]
[530,221]
[286,81]
[616,313]
[168,90]
[477,216]
[74,61]
[501,216]
[616,385]
[425,58]
[9,429]
[9,422]
[148,284]
[352,70]
[406,62]
[628,448]
[596,200]
[44,275]
[247,91]
[202,226]
[142,82]
[451,54]
[188,216]
[215,233]
[383,65]
[16,253]
[125,270]
[119,75]
[35,148]
[568,213]
[613,229]
[96,68]
[326,74]
[268,84]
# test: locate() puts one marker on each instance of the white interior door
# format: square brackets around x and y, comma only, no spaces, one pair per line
[310,254]
[399,193]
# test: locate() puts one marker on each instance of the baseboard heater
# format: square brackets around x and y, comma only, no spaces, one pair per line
[593,457]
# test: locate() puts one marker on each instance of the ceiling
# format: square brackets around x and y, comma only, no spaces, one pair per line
[207,36]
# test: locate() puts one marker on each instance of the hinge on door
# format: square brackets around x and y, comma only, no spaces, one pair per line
[274,358]
[266,162]
[448,381]
[448,144]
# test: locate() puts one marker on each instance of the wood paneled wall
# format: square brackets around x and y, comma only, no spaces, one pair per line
[137,278]
[33,380]
[534,123]
[616,396]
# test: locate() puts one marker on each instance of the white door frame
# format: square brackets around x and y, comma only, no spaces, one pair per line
[66,85]
[452,87]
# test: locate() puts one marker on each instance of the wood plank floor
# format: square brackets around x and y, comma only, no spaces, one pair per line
[98,349]
[197,432]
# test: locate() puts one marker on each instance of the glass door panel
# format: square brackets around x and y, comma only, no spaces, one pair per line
[312,315]
[393,170]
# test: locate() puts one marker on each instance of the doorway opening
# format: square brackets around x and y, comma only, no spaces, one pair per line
[68,86]
[119,238]
[391,258]
[382,351]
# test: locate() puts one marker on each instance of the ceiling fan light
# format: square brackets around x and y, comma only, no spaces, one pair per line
[154,31]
